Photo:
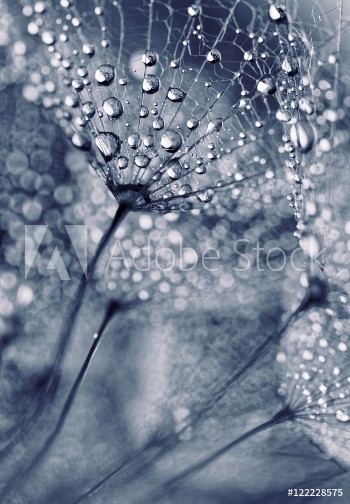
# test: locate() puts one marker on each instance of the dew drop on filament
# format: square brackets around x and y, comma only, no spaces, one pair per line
[176,94]
[266,85]
[104,74]
[150,84]
[108,144]
[171,141]
[113,107]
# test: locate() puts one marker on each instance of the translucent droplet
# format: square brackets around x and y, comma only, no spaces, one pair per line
[142,161]
[266,85]
[81,141]
[158,124]
[248,56]
[194,10]
[302,135]
[78,84]
[201,169]
[289,67]
[176,94]
[276,13]
[148,141]
[144,111]
[171,141]
[113,107]
[174,170]
[215,125]
[206,196]
[48,37]
[104,74]
[342,416]
[192,123]
[134,141]
[88,49]
[283,115]
[175,63]
[123,81]
[185,189]
[71,100]
[213,56]
[89,109]
[108,144]
[306,106]
[150,84]
[122,162]
[149,58]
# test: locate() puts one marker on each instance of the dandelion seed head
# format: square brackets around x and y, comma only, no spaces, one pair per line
[178,100]
[316,379]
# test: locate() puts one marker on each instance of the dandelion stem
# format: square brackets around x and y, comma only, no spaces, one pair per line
[280,417]
[112,309]
[75,305]
[46,397]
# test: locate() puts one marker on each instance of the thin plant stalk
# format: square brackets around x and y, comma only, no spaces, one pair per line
[315,295]
[280,417]
[46,397]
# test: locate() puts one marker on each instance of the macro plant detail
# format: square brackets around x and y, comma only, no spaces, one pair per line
[219,134]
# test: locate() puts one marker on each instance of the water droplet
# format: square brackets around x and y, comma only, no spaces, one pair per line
[72,100]
[113,107]
[342,416]
[302,135]
[283,115]
[176,94]
[171,141]
[89,109]
[185,189]
[142,161]
[108,144]
[192,123]
[276,13]
[266,85]
[206,196]
[88,49]
[48,37]
[149,58]
[213,56]
[78,84]
[104,74]
[150,84]
[248,56]
[134,141]
[175,63]
[306,106]
[201,169]
[158,124]
[215,125]
[122,162]
[144,111]
[123,81]
[174,170]
[81,141]
[148,141]
[194,10]
[289,67]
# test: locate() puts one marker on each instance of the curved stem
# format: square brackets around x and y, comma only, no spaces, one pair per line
[280,417]
[75,305]
[66,332]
